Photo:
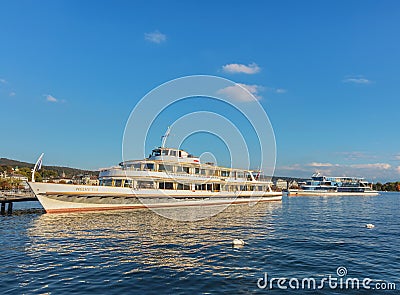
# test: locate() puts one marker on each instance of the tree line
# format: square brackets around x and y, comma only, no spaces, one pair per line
[388,186]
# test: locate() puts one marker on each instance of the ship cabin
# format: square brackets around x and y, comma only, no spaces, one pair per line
[168,168]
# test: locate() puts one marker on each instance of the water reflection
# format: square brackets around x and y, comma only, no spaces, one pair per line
[143,238]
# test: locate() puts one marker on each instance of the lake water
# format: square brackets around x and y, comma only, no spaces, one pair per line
[140,252]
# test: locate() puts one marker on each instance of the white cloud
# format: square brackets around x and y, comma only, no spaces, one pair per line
[398,169]
[250,69]
[280,90]
[3,81]
[51,98]
[380,166]
[155,37]
[240,92]
[315,164]
[356,155]
[397,157]
[12,94]
[357,80]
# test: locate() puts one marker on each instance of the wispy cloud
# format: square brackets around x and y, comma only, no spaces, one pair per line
[250,69]
[280,90]
[52,99]
[316,164]
[241,92]
[12,93]
[397,157]
[3,81]
[380,166]
[357,80]
[355,155]
[398,169]
[155,37]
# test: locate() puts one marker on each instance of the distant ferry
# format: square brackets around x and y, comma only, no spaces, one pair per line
[167,178]
[320,185]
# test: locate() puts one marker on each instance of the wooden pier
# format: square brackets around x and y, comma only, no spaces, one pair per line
[14,197]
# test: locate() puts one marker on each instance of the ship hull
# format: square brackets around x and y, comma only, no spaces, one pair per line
[58,198]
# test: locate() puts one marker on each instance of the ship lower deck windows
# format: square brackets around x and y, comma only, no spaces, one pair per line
[182,186]
[166,185]
[145,184]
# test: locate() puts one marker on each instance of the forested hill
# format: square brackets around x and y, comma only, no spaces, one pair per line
[69,172]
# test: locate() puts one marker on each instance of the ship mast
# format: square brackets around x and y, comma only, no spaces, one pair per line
[164,137]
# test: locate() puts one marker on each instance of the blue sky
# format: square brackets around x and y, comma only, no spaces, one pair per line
[326,72]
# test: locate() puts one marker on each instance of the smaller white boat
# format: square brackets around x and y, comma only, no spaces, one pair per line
[320,185]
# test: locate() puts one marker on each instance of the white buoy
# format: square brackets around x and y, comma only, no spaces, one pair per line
[238,242]
[369,225]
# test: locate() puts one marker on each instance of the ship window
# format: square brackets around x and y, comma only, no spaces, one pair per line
[179,169]
[186,169]
[145,184]
[161,167]
[224,173]
[198,187]
[117,182]
[166,185]
[169,185]
[135,166]
[149,166]
[173,153]
[169,168]
[157,153]
[128,183]
[182,186]
[196,170]
[165,152]
[107,182]
[216,172]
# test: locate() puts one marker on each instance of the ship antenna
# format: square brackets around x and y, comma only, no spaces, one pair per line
[164,137]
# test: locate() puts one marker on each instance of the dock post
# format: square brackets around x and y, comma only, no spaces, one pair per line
[3,208]
[10,206]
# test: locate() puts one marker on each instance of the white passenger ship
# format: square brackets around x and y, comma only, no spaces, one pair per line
[168,178]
